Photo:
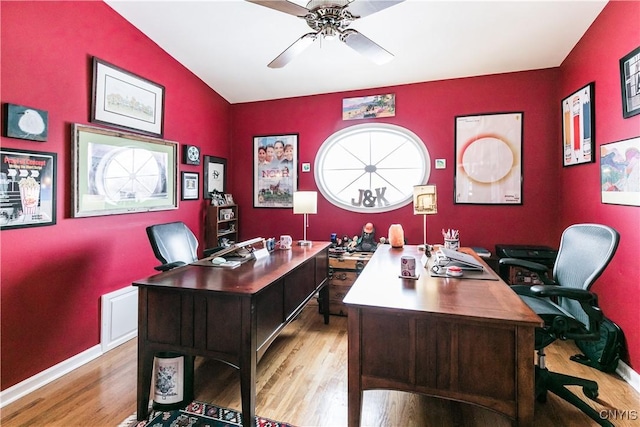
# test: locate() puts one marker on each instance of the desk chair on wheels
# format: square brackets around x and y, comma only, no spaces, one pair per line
[567,307]
[174,245]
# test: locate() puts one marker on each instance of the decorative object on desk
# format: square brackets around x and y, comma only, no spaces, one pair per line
[620,172]
[454,271]
[451,239]
[190,186]
[190,155]
[367,242]
[579,126]
[125,100]
[275,170]
[114,172]
[285,242]
[199,414]
[396,236]
[489,159]
[215,175]
[425,202]
[407,266]
[28,196]
[305,202]
[630,82]
[26,123]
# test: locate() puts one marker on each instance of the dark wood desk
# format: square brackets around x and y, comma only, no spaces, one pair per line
[461,339]
[232,315]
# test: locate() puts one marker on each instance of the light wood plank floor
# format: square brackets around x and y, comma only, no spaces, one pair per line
[301,380]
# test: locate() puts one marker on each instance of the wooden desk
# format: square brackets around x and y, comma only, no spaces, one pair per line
[232,315]
[461,339]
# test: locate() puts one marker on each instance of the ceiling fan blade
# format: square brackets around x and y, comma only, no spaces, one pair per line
[365,46]
[294,50]
[283,6]
[360,8]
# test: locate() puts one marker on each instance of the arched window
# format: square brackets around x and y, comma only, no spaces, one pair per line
[371,167]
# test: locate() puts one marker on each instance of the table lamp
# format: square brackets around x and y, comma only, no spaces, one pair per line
[305,202]
[425,202]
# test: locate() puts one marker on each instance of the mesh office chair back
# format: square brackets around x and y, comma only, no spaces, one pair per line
[585,251]
[173,242]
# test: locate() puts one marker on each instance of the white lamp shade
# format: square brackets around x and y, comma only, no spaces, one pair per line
[305,202]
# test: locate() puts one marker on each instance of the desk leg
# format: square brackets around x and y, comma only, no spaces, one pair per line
[525,376]
[248,361]
[323,302]
[354,386]
[145,368]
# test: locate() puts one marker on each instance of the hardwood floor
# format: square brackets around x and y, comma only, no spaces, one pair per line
[302,380]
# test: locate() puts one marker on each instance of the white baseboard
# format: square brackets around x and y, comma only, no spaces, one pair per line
[629,375]
[19,390]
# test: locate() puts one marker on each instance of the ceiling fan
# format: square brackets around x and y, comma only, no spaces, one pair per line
[330,19]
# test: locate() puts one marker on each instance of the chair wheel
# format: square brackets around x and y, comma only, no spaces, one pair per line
[590,392]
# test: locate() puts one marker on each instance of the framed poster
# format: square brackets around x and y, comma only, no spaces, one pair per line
[190,186]
[215,175]
[114,172]
[620,172]
[27,188]
[488,150]
[125,100]
[275,170]
[630,80]
[579,126]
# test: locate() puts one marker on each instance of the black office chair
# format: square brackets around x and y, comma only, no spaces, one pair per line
[567,307]
[174,245]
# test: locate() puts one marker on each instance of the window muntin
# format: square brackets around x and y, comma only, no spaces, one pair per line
[371,167]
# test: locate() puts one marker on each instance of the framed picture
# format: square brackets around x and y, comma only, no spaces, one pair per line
[190,186]
[228,199]
[488,156]
[115,172]
[26,123]
[215,175]
[369,107]
[630,80]
[620,172]
[125,100]
[275,170]
[579,126]
[27,188]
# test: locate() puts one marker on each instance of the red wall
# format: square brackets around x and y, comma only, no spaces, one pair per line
[427,109]
[53,277]
[595,59]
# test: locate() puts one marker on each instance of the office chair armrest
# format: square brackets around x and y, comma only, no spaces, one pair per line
[579,295]
[169,266]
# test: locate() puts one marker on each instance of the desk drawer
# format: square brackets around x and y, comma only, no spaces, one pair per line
[355,261]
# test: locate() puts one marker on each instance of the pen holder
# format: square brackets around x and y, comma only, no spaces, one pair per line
[453,244]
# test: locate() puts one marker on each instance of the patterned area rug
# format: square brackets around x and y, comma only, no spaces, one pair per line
[199,414]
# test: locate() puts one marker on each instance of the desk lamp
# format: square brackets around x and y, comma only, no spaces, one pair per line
[425,202]
[305,202]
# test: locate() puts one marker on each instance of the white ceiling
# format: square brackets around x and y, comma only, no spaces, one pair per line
[228,43]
